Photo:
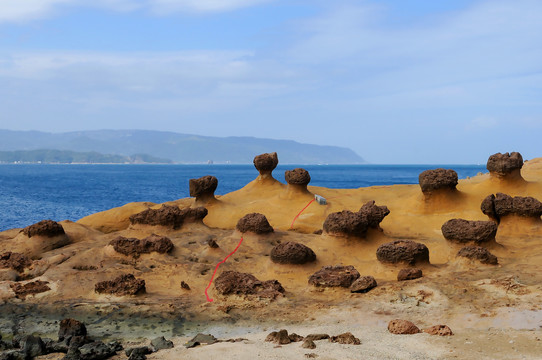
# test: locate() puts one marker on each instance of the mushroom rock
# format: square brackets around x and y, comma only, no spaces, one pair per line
[237,283]
[505,166]
[136,247]
[363,284]
[41,237]
[374,214]
[169,216]
[463,231]
[255,223]
[123,285]
[402,327]
[203,189]
[292,253]
[46,228]
[403,251]
[265,164]
[334,276]
[478,253]
[500,205]
[297,180]
[409,274]
[346,223]
[437,180]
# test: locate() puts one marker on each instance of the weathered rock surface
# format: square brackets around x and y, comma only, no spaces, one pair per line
[409,274]
[297,176]
[478,253]
[463,231]
[200,339]
[363,284]
[46,228]
[135,247]
[169,216]
[290,252]
[203,188]
[347,338]
[96,350]
[233,282]
[123,285]
[255,222]
[71,327]
[160,343]
[308,344]
[266,163]
[502,165]
[346,223]
[138,353]
[334,276]
[500,205]
[403,251]
[316,337]
[440,330]
[15,261]
[279,337]
[402,327]
[295,337]
[437,179]
[373,213]
[34,287]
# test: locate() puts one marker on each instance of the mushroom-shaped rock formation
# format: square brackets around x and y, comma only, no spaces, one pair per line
[203,189]
[500,205]
[237,283]
[71,327]
[440,330]
[46,228]
[505,166]
[255,223]
[297,180]
[374,214]
[437,180]
[403,251]
[463,231]
[123,285]
[363,284]
[290,252]
[168,216]
[15,261]
[136,247]
[409,274]
[334,276]
[346,223]
[41,237]
[478,253]
[402,327]
[266,163]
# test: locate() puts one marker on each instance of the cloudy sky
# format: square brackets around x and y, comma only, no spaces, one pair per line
[397,81]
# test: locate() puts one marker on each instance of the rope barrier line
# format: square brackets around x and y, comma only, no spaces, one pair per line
[216,268]
[295,218]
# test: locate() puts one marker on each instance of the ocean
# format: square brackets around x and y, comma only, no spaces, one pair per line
[30,193]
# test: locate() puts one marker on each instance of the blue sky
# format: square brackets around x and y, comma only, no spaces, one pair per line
[397,81]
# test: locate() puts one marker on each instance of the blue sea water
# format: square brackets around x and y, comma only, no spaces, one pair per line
[30,193]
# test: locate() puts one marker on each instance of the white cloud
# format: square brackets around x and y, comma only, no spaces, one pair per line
[23,10]
[200,6]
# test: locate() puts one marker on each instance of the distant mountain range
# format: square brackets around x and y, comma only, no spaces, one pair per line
[47,156]
[178,148]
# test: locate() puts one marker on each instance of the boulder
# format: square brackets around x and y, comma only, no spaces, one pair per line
[233,282]
[46,228]
[297,177]
[402,327]
[71,327]
[123,285]
[160,343]
[32,346]
[34,287]
[255,222]
[136,247]
[295,337]
[138,353]
[347,338]
[500,205]
[308,344]
[15,261]
[440,330]
[346,223]
[279,337]
[403,251]
[316,337]
[96,350]
[363,284]
[169,216]
[502,165]
[203,189]
[200,339]
[292,253]
[463,231]
[266,163]
[478,253]
[437,179]
[409,274]
[334,276]
[374,213]
[194,215]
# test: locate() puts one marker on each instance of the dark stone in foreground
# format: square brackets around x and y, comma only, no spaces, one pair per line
[462,231]
[71,327]
[478,253]
[437,179]
[279,337]
[409,274]
[308,344]
[297,176]
[161,343]
[334,276]
[500,205]
[316,337]
[403,251]
[374,213]
[138,353]
[233,282]
[402,327]
[47,228]
[35,287]
[347,338]
[123,285]
[254,222]
[136,247]
[292,253]
[363,284]
[504,164]
[266,163]
[15,261]
[346,223]
[200,339]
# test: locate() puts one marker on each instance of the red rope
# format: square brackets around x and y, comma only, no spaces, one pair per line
[310,202]
[216,268]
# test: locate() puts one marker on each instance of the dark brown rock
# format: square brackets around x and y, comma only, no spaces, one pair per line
[297,177]
[279,337]
[184,285]
[266,163]
[203,188]
[347,338]
[403,251]
[123,285]
[363,284]
[488,207]
[500,205]
[255,222]
[463,231]
[35,287]
[402,327]
[47,228]
[478,253]
[295,338]
[292,253]
[409,274]
[170,216]
[71,327]
[308,344]
[346,223]
[333,276]
[15,261]
[526,206]
[136,247]
[194,214]
[437,179]
[374,214]
[316,337]
[440,330]
[237,283]
[504,164]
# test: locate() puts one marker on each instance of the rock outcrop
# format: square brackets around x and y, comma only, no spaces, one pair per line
[373,213]
[71,327]
[440,330]
[15,261]
[346,338]
[266,163]
[334,276]
[135,247]
[363,284]
[237,283]
[290,252]
[402,327]
[34,287]
[356,224]
[505,166]
[123,285]
[46,228]
[403,251]
[478,253]
[279,337]
[168,216]
[297,176]
[409,274]
[437,180]
[500,205]
[203,189]
[464,231]
[255,223]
